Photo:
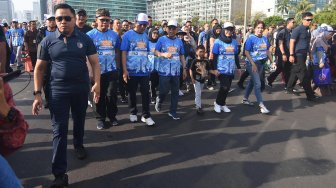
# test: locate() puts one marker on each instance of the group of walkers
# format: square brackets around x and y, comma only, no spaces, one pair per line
[77,65]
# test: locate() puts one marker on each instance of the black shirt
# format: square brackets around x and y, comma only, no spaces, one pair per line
[302,35]
[283,35]
[85,29]
[69,72]
[199,66]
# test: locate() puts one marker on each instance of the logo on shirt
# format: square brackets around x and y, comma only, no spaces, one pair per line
[262,46]
[172,49]
[79,44]
[229,49]
[106,43]
[141,44]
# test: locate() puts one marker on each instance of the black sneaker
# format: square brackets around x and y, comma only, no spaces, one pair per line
[313,98]
[153,100]
[292,92]
[60,181]
[240,85]
[80,152]
[101,125]
[46,105]
[123,100]
[114,121]
[268,83]
[199,111]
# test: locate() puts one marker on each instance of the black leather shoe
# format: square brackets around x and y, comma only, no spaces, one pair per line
[80,152]
[60,181]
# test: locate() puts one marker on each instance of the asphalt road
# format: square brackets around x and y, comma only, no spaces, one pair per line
[294,146]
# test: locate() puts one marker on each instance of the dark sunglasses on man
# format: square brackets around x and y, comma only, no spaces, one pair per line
[104,20]
[61,18]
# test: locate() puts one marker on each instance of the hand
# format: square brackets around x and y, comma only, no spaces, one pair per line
[126,76]
[321,65]
[193,81]
[184,74]
[37,104]
[216,73]
[284,58]
[254,68]
[168,55]
[96,92]
[291,59]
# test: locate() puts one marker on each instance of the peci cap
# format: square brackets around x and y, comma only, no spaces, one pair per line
[227,25]
[81,11]
[142,18]
[180,32]
[172,23]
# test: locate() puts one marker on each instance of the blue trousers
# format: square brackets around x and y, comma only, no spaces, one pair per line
[60,105]
[171,83]
[7,175]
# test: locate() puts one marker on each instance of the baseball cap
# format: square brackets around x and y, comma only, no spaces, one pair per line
[142,18]
[15,20]
[329,29]
[172,23]
[50,17]
[227,25]
[81,11]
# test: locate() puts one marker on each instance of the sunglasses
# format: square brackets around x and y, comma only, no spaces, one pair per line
[104,20]
[51,19]
[61,18]
[171,27]
[308,20]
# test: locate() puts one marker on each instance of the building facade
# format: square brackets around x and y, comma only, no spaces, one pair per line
[6,10]
[123,9]
[205,10]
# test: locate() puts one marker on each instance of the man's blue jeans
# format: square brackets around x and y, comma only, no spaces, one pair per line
[171,83]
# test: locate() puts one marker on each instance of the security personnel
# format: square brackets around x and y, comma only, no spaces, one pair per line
[69,86]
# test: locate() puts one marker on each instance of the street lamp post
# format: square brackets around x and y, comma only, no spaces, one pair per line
[245,20]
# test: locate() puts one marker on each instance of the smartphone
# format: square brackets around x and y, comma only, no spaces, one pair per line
[10,76]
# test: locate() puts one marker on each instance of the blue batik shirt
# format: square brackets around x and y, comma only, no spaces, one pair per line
[106,44]
[170,67]
[151,57]
[258,47]
[17,37]
[226,56]
[137,47]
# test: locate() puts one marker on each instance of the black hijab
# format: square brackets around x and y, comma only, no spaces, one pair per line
[224,38]
[150,38]
[214,28]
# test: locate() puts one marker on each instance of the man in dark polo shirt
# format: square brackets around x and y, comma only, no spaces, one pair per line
[81,19]
[299,49]
[69,86]
[30,41]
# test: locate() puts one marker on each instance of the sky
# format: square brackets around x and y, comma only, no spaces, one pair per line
[23,4]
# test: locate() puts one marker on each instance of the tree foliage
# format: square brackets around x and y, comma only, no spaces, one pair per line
[273,20]
[283,6]
[303,6]
[258,16]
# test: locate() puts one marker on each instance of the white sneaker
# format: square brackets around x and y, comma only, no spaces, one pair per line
[225,109]
[133,118]
[149,121]
[263,109]
[217,107]
[181,93]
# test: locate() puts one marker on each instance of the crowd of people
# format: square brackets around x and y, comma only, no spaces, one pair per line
[77,65]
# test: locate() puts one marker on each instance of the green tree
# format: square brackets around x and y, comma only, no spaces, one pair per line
[273,20]
[238,19]
[303,6]
[258,16]
[195,20]
[283,6]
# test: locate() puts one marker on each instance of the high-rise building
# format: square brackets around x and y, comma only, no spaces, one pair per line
[36,11]
[123,9]
[6,10]
[205,10]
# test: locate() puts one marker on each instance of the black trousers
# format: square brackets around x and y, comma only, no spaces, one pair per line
[33,57]
[154,79]
[107,104]
[225,85]
[122,85]
[132,86]
[299,70]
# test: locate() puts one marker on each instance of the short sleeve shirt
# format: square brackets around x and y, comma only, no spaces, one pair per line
[69,72]
[226,56]
[17,36]
[200,68]
[258,47]
[301,35]
[170,67]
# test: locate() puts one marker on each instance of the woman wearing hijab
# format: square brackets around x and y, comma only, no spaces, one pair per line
[225,62]
[257,52]
[153,37]
[216,31]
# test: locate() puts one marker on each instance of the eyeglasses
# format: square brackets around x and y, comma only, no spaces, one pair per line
[171,27]
[308,20]
[104,20]
[61,18]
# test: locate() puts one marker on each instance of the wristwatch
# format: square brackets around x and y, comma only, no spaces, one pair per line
[291,55]
[11,114]
[37,93]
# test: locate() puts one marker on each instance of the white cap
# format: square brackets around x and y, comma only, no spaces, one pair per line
[142,18]
[15,20]
[329,28]
[49,16]
[172,23]
[227,25]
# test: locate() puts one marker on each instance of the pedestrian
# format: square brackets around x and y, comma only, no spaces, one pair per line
[16,42]
[257,52]
[67,50]
[282,53]
[4,53]
[225,54]
[154,76]
[94,24]
[81,19]
[170,50]
[198,71]
[108,47]
[30,42]
[125,26]
[299,49]
[137,68]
